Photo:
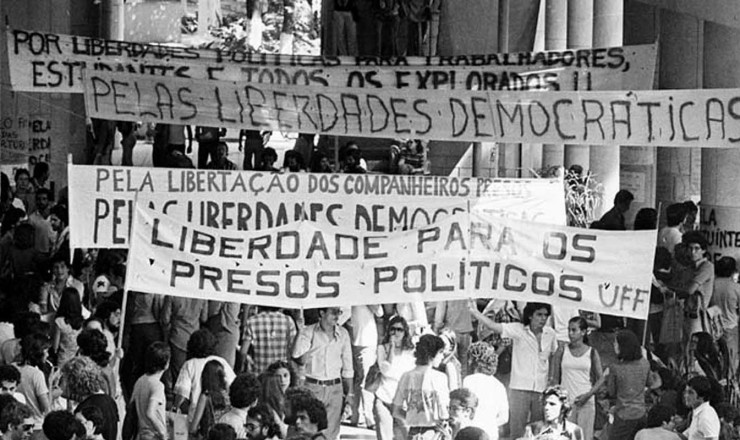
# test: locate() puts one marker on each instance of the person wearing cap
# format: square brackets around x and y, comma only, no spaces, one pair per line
[326,353]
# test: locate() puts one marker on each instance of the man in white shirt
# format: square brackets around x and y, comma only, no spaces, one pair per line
[670,235]
[364,353]
[704,420]
[533,344]
[326,354]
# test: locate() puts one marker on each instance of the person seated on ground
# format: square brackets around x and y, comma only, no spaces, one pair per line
[62,425]
[10,378]
[463,404]
[310,417]
[704,420]
[556,408]
[269,157]
[261,424]
[293,162]
[16,421]
[221,431]
[220,160]
[660,425]
[93,420]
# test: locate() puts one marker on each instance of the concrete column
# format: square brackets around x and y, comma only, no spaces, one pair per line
[680,67]
[580,36]
[556,38]
[604,160]
[720,198]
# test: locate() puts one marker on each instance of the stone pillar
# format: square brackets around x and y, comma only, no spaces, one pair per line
[603,159]
[680,68]
[556,38]
[580,36]
[720,198]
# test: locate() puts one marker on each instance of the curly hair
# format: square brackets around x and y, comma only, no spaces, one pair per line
[201,344]
[263,414]
[561,394]
[406,342]
[33,349]
[244,390]
[315,410]
[427,348]
[483,358]
[82,378]
[92,343]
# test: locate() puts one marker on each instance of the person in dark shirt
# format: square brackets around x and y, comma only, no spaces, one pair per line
[613,220]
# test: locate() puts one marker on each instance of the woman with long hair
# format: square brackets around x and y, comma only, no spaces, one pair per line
[67,325]
[576,367]
[395,357]
[213,401]
[625,382]
[704,359]
[276,380]
[423,397]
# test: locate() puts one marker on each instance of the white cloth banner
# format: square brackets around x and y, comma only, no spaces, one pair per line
[102,198]
[307,264]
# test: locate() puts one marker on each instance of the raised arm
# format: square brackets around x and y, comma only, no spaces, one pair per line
[483,319]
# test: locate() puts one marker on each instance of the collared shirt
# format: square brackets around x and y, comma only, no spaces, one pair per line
[566,431]
[530,360]
[326,355]
[236,418]
[271,334]
[727,297]
[704,423]
[183,315]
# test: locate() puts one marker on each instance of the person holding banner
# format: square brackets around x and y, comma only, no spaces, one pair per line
[326,353]
[533,344]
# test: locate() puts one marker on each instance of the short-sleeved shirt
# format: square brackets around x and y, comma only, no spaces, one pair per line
[530,360]
[32,385]
[727,297]
[424,395]
[108,407]
[147,389]
[326,356]
[236,418]
[188,382]
[704,423]
[67,340]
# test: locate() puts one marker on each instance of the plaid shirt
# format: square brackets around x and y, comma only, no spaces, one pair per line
[271,334]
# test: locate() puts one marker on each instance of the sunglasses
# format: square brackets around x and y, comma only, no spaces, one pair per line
[396,330]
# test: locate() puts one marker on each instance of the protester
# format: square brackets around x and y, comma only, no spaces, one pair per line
[261,425]
[10,377]
[493,403]
[223,322]
[463,408]
[422,397]
[704,420]
[33,384]
[213,401]
[555,413]
[364,339]
[327,366]
[243,394]
[16,422]
[576,367]
[532,346]
[270,333]
[613,220]
[727,297]
[276,380]
[660,425]
[625,382]
[670,235]
[311,418]
[148,396]
[62,425]
[83,382]
[395,357]
[67,325]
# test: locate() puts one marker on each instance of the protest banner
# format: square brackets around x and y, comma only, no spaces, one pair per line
[307,264]
[721,226]
[102,197]
[53,63]
[677,118]
[14,141]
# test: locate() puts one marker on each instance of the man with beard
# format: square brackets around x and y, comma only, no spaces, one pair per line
[261,424]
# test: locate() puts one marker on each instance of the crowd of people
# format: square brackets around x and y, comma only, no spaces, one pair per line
[185,368]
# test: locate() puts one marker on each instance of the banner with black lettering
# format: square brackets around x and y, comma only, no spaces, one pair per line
[53,63]
[102,197]
[307,264]
[676,118]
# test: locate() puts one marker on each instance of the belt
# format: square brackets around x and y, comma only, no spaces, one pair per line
[325,383]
